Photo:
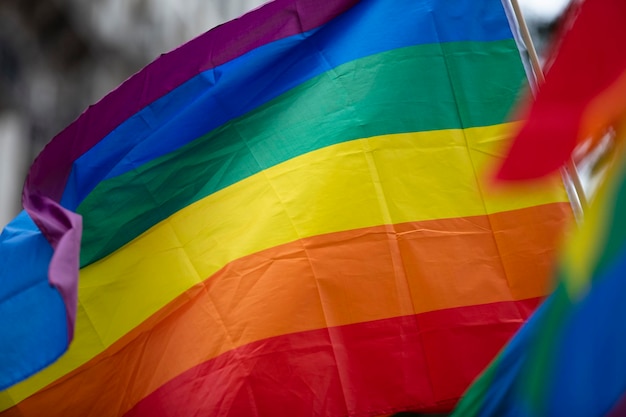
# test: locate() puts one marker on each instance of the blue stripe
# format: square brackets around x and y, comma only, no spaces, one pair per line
[503,396]
[589,373]
[216,96]
[587,370]
[33,320]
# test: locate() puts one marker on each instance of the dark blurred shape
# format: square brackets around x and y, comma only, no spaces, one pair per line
[40,50]
[9,73]
[54,31]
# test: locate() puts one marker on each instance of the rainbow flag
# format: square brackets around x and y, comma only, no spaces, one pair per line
[286,216]
[568,360]
[562,117]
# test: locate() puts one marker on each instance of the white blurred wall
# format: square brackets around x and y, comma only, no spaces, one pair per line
[13,158]
[141,30]
[153,27]
[43,97]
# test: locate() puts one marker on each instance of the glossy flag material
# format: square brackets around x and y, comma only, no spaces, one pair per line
[285,216]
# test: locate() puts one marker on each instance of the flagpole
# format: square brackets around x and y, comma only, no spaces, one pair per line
[528,41]
[570,168]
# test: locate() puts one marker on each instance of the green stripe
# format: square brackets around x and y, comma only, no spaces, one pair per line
[473,401]
[405,90]
[536,378]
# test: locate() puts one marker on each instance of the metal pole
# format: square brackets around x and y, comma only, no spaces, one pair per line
[570,169]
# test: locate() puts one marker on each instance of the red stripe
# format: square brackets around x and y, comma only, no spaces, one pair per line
[587,67]
[421,362]
[410,268]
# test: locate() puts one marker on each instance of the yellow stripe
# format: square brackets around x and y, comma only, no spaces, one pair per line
[362,183]
[585,247]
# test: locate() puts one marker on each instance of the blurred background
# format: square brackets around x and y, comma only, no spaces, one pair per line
[59,56]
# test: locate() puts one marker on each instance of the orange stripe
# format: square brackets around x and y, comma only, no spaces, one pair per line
[422,362]
[310,284]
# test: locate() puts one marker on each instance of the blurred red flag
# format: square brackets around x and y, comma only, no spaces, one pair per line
[584,92]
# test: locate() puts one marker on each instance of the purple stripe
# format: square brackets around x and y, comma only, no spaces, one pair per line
[63,229]
[49,173]
[274,21]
